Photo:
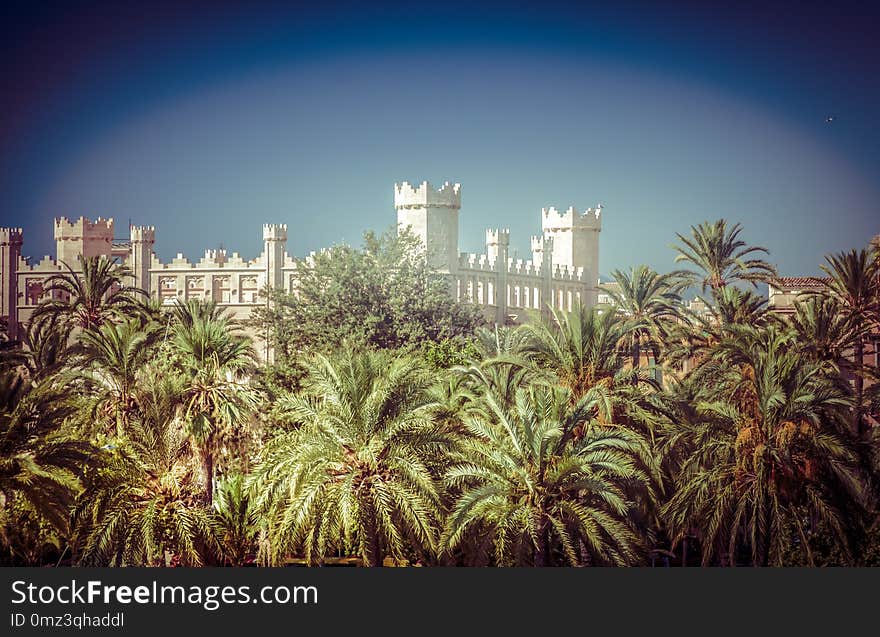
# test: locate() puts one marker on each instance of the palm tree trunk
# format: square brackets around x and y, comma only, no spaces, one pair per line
[208,474]
[858,356]
[586,558]
[374,556]
[542,550]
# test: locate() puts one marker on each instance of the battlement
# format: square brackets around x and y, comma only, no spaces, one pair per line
[552,219]
[11,236]
[497,236]
[143,234]
[275,232]
[568,273]
[471,261]
[46,264]
[83,228]
[407,196]
[521,269]
[214,257]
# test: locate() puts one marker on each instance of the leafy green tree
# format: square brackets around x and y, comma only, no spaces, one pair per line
[354,477]
[384,296]
[536,493]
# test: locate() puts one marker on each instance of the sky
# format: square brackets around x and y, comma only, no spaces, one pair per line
[208,120]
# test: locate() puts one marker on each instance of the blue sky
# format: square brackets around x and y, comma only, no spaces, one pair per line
[211,120]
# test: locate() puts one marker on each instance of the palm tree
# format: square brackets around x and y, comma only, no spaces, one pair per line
[722,255]
[354,477]
[821,331]
[764,452]
[581,349]
[854,286]
[42,351]
[696,337]
[236,520]
[534,492]
[88,299]
[112,357]
[214,358]
[651,303]
[144,509]
[39,465]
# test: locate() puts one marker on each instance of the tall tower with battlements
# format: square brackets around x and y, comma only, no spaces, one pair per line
[142,240]
[82,239]
[10,251]
[432,215]
[275,238]
[575,238]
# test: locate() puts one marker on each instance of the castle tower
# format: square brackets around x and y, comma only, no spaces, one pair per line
[575,241]
[432,215]
[82,239]
[497,248]
[10,251]
[142,240]
[275,238]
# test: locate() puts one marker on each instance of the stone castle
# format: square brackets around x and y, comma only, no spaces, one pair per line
[562,271]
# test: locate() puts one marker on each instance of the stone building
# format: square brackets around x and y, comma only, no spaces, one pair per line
[563,268]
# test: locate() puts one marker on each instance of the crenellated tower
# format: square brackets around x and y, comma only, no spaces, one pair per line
[275,238]
[575,239]
[142,240]
[432,215]
[10,252]
[82,239]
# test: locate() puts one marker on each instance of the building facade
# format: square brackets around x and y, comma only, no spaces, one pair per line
[562,271]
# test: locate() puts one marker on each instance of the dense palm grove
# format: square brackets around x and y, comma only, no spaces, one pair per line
[392,428]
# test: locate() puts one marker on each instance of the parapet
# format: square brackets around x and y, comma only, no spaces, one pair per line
[471,261]
[497,237]
[143,234]
[11,236]
[447,196]
[275,232]
[83,228]
[552,219]
[213,257]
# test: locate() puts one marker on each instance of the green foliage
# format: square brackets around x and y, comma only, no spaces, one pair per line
[383,296]
[537,491]
[91,297]
[765,444]
[391,425]
[141,507]
[722,256]
[450,352]
[237,523]
[39,464]
[355,476]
